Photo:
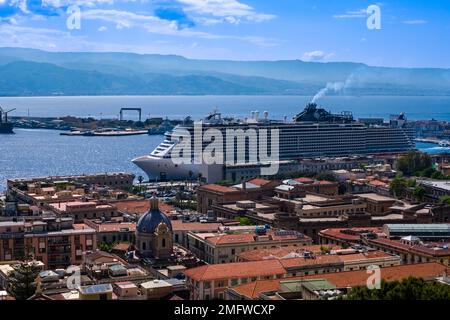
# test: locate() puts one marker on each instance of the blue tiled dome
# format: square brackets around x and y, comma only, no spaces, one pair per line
[150,221]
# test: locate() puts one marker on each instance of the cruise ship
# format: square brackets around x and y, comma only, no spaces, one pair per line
[314,132]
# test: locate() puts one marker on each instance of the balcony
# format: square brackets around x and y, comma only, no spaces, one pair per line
[59,243]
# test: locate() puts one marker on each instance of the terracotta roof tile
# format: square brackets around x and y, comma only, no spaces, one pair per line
[140,206]
[260,254]
[304,180]
[259,182]
[235,270]
[348,234]
[217,188]
[116,227]
[179,225]
[347,279]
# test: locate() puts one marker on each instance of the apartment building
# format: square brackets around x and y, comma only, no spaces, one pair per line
[285,289]
[211,281]
[113,231]
[57,242]
[210,194]
[216,248]
[80,210]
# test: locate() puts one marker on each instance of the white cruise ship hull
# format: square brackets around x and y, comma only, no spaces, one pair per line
[163,169]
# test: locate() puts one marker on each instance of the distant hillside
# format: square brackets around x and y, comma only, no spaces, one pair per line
[34,72]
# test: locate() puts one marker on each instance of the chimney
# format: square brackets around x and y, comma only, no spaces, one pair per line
[244,187]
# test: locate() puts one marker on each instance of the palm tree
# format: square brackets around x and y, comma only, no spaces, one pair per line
[190,175]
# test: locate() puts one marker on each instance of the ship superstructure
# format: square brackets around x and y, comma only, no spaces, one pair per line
[314,132]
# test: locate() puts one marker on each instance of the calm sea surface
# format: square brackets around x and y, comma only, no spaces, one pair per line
[44,152]
[199,106]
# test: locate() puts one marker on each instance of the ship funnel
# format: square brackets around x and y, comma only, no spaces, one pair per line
[256,115]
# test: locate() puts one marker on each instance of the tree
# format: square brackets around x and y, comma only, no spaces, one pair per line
[140,179]
[23,280]
[444,200]
[413,162]
[408,289]
[419,193]
[398,186]
[104,246]
[328,176]
[224,183]
[325,249]
[437,175]
[244,221]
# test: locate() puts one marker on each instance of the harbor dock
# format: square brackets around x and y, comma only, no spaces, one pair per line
[111,133]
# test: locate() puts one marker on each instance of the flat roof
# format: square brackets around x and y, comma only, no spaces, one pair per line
[155,284]
[445,185]
[375,196]
[126,285]
[441,227]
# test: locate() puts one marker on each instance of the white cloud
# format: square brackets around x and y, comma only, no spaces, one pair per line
[152,24]
[39,38]
[316,55]
[351,14]
[102,29]
[81,3]
[415,22]
[232,10]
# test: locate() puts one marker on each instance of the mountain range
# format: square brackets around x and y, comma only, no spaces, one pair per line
[31,72]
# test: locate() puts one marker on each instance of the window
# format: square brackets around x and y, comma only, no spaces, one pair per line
[234,282]
[163,243]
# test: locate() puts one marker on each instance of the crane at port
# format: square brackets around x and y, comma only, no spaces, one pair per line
[4,114]
[5,127]
[131,109]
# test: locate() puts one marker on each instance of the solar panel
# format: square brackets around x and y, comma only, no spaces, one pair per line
[97,288]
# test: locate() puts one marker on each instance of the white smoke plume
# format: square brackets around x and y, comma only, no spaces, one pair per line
[333,87]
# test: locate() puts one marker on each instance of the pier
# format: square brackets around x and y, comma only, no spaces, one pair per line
[112,133]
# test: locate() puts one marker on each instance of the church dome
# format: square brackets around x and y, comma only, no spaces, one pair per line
[150,221]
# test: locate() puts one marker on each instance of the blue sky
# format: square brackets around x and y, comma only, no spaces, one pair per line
[413,33]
